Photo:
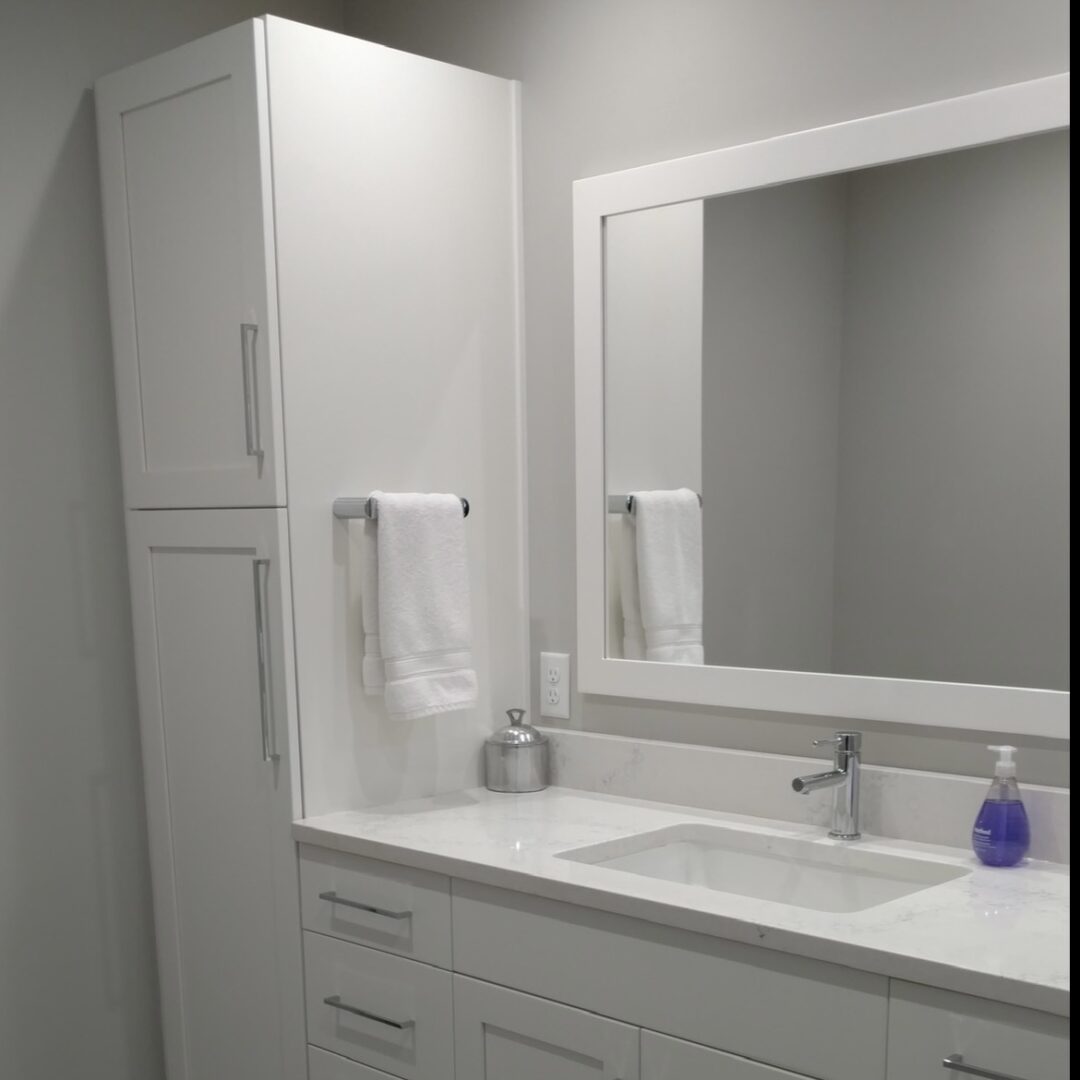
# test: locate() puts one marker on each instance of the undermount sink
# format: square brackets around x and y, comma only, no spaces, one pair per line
[802,873]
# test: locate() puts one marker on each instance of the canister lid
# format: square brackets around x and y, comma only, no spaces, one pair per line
[517,732]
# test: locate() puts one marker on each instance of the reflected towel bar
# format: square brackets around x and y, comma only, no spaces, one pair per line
[624,504]
[368,508]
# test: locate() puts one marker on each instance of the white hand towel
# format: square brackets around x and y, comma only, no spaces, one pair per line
[668,527]
[372,670]
[633,637]
[425,625]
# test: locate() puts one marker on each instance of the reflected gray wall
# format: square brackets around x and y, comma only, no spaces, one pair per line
[953,526]
[885,398]
[770,392]
[78,987]
[610,84]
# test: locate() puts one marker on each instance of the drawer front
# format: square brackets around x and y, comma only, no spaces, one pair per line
[384,1011]
[373,903]
[323,1065]
[927,1026]
[665,1058]
[752,1002]
[501,1034]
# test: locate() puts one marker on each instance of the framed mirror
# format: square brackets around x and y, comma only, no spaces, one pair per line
[822,388]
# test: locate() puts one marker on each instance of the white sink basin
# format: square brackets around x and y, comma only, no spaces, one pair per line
[802,873]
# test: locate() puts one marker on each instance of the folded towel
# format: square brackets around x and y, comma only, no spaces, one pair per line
[668,528]
[372,669]
[425,627]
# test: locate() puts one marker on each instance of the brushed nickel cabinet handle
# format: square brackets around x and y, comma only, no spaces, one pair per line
[335,1002]
[252,437]
[261,568]
[333,898]
[956,1063]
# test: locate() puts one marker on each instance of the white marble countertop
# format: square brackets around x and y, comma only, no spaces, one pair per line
[1000,934]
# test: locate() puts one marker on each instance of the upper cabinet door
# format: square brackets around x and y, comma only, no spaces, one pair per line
[184,144]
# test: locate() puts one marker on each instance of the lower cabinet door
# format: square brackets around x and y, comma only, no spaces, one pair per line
[665,1058]
[945,1036]
[501,1034]
[213,655]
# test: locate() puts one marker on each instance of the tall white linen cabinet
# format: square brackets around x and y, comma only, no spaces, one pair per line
[313,263]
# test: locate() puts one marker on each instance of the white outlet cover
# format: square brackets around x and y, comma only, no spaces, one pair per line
[555,680]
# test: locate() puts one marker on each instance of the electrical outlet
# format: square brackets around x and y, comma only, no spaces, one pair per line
[555,685]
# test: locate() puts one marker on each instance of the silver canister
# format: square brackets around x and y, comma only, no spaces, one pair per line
[516,756]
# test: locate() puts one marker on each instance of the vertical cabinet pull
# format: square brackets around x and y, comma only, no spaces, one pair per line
[261,569]
[248,333]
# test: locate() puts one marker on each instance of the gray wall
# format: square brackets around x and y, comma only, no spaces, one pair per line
[78,989]
[953,523]
[608,84]
[770,392]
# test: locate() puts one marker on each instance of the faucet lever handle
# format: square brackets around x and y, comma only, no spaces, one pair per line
[848,742]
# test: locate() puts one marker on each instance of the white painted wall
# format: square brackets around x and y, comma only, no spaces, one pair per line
[395,191]
[953,521]
[78,988]
[608,84]
[770,391]
[652,372]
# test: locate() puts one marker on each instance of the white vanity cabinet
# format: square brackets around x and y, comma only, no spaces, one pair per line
[518,987]
[184,149]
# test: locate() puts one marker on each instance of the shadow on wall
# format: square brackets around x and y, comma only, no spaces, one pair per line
[75,922]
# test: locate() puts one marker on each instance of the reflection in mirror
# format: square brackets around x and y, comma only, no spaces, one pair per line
[865,377]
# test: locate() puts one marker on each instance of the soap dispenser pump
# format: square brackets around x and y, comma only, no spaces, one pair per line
[1001,835]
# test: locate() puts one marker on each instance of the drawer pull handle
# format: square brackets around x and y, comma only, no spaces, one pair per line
[955,1063]
[335,1002]
[333,898]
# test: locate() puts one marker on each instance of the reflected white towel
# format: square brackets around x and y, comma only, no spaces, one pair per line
[633,635]
[668,528]
[425,625]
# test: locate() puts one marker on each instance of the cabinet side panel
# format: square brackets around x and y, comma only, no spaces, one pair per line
[394,190]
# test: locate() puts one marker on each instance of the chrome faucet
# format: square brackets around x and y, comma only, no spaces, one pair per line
[844,777]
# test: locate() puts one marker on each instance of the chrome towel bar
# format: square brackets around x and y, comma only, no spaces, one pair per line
[368,508]
[624,504]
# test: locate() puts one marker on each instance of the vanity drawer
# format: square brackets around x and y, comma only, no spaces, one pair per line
[388,907]
[665,1058]
[387,1012]
[753,1002]
[926,1026]
[322,1065]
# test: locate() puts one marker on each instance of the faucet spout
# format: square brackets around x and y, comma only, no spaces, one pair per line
[844,777]
[805,784]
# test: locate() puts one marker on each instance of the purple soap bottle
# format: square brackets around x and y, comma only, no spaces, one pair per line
[1001,836]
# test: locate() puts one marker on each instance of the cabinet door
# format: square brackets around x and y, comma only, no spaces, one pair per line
[211,621]
[185,177]
[928,1028]
[664,1058]
[501,1034]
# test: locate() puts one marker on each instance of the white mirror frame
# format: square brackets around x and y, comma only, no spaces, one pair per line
[1007,112]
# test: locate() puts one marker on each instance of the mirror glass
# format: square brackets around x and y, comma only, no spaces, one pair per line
[837,423]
